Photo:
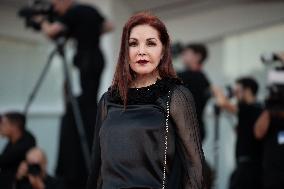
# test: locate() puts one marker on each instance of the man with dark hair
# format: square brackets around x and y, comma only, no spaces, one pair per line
[248,149]
[248,83]
[194,56]
[20,141]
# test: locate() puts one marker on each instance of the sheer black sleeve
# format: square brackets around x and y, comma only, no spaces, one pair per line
[182,110]
[94,177]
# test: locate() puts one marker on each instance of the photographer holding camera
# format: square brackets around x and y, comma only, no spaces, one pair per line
[270,128]
[12,126]
[248,149]
[85,25]
[32,173]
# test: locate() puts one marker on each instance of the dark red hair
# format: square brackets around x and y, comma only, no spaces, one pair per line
[123,74]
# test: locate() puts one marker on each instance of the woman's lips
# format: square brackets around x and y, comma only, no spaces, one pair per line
[142,61]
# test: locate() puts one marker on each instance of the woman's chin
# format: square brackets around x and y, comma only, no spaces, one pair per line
[145,72]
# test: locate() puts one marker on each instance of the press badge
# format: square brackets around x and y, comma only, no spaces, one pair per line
[281,137]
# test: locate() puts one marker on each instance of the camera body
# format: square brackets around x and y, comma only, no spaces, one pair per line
[34,169]
[275,98]
[37,8]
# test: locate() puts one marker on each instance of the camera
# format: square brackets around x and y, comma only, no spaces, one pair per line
[275,98]
[36,8]
[270,58]
[34,169]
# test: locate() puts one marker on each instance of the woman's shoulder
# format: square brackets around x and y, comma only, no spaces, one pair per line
[104,97]
[181,92]
[176,85]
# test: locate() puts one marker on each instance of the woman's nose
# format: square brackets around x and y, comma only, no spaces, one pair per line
[141,50]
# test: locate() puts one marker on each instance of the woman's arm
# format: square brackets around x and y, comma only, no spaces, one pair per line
[183,113]
[96,150]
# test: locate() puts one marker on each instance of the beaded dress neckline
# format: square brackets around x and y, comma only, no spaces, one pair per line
[145,95]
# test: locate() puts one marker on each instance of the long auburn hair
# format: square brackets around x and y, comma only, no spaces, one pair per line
[123,74]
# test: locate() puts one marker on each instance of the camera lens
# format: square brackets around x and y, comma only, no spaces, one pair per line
[34,169]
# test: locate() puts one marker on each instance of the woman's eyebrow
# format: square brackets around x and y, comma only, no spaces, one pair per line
[148,39]
[152,38]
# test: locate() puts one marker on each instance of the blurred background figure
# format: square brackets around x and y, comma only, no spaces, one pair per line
[193,58]
[20,141]
[248,148]
[85,25]
[32,173]
[270,129]
[194,78]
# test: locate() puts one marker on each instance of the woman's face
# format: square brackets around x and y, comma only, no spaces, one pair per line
[145,50]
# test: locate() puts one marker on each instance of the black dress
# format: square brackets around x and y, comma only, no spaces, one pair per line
[130,144]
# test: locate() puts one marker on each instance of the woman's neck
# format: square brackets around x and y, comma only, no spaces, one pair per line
[145,80]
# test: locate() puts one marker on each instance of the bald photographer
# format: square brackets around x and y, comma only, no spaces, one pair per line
[32,173]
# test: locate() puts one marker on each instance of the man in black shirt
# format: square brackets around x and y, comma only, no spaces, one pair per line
[194,56]
[270,129]
[20,141]
[85,25]
[248,149]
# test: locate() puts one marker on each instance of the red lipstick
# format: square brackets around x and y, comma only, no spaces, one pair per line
[142,61]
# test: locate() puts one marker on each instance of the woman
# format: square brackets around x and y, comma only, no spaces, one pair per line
[146,134]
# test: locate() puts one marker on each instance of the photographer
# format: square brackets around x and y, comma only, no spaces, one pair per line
[32,173]
[248,149]
[270,128]
[19,142]
[85,25]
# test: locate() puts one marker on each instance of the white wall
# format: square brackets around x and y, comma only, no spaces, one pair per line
[226,20]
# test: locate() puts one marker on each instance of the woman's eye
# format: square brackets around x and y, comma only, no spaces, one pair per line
[151,44]
[132,44]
